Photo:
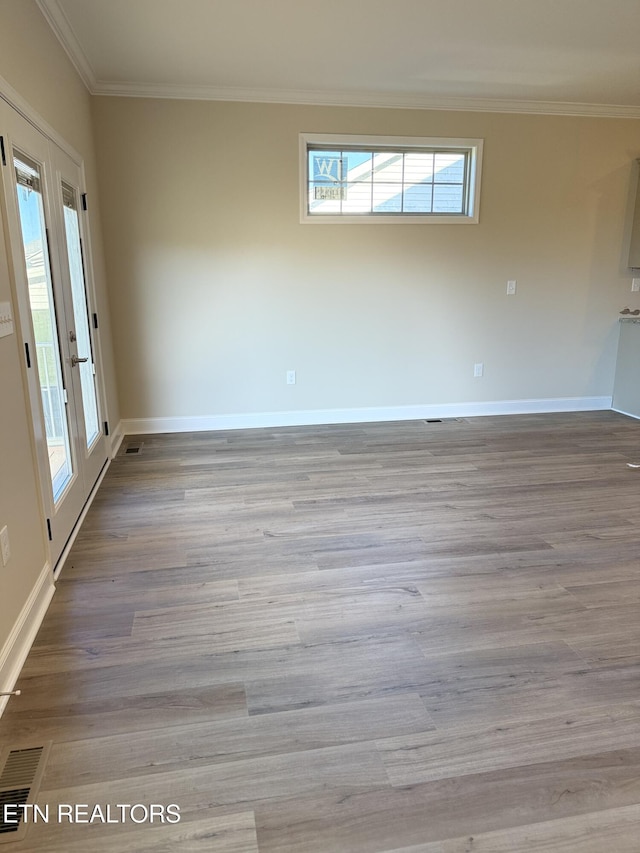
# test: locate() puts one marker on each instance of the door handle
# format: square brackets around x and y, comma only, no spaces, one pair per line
[75,360]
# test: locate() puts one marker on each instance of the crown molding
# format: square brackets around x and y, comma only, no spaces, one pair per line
[63,31]
[18,103]
[386,100]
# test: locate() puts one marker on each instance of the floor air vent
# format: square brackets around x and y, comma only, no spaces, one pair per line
[134,449]
[20,776]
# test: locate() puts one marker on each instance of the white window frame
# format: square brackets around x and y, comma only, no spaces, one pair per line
[382,143]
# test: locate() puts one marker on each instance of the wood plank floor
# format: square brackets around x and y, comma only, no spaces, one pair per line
[382,638]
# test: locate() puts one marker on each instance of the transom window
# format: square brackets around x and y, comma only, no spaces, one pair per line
[389,179]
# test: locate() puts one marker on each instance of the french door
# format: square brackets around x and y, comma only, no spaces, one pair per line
[43,203]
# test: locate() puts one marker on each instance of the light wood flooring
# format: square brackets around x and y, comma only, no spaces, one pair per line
[407,637]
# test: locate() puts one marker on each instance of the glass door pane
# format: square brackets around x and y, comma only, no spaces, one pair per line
[43,316]
[80,314]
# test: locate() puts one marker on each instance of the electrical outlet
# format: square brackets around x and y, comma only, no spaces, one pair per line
[478,369]
[291,377]
[4,545]
[635,285]
[511,287]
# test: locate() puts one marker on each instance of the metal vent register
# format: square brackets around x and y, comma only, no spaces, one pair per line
[20,776]
[134,449]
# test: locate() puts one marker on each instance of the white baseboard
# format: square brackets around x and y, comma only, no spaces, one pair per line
[628,414]
[15,650]
[116,440]
[14,653]
[313,417]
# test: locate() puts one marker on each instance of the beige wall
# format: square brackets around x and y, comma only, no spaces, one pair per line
[33,63]
[216,289]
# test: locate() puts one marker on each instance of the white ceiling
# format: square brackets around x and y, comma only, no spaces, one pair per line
[564,56]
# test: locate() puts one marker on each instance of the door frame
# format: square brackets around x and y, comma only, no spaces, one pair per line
[10,99]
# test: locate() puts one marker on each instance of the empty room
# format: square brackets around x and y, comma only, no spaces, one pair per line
[319,407]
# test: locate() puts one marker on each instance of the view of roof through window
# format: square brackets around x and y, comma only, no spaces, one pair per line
[357,181]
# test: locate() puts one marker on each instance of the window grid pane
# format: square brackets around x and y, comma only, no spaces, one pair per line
[80,315]
[45,327]
[387,182]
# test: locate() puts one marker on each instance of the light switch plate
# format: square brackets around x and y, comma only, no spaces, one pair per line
[6,319]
